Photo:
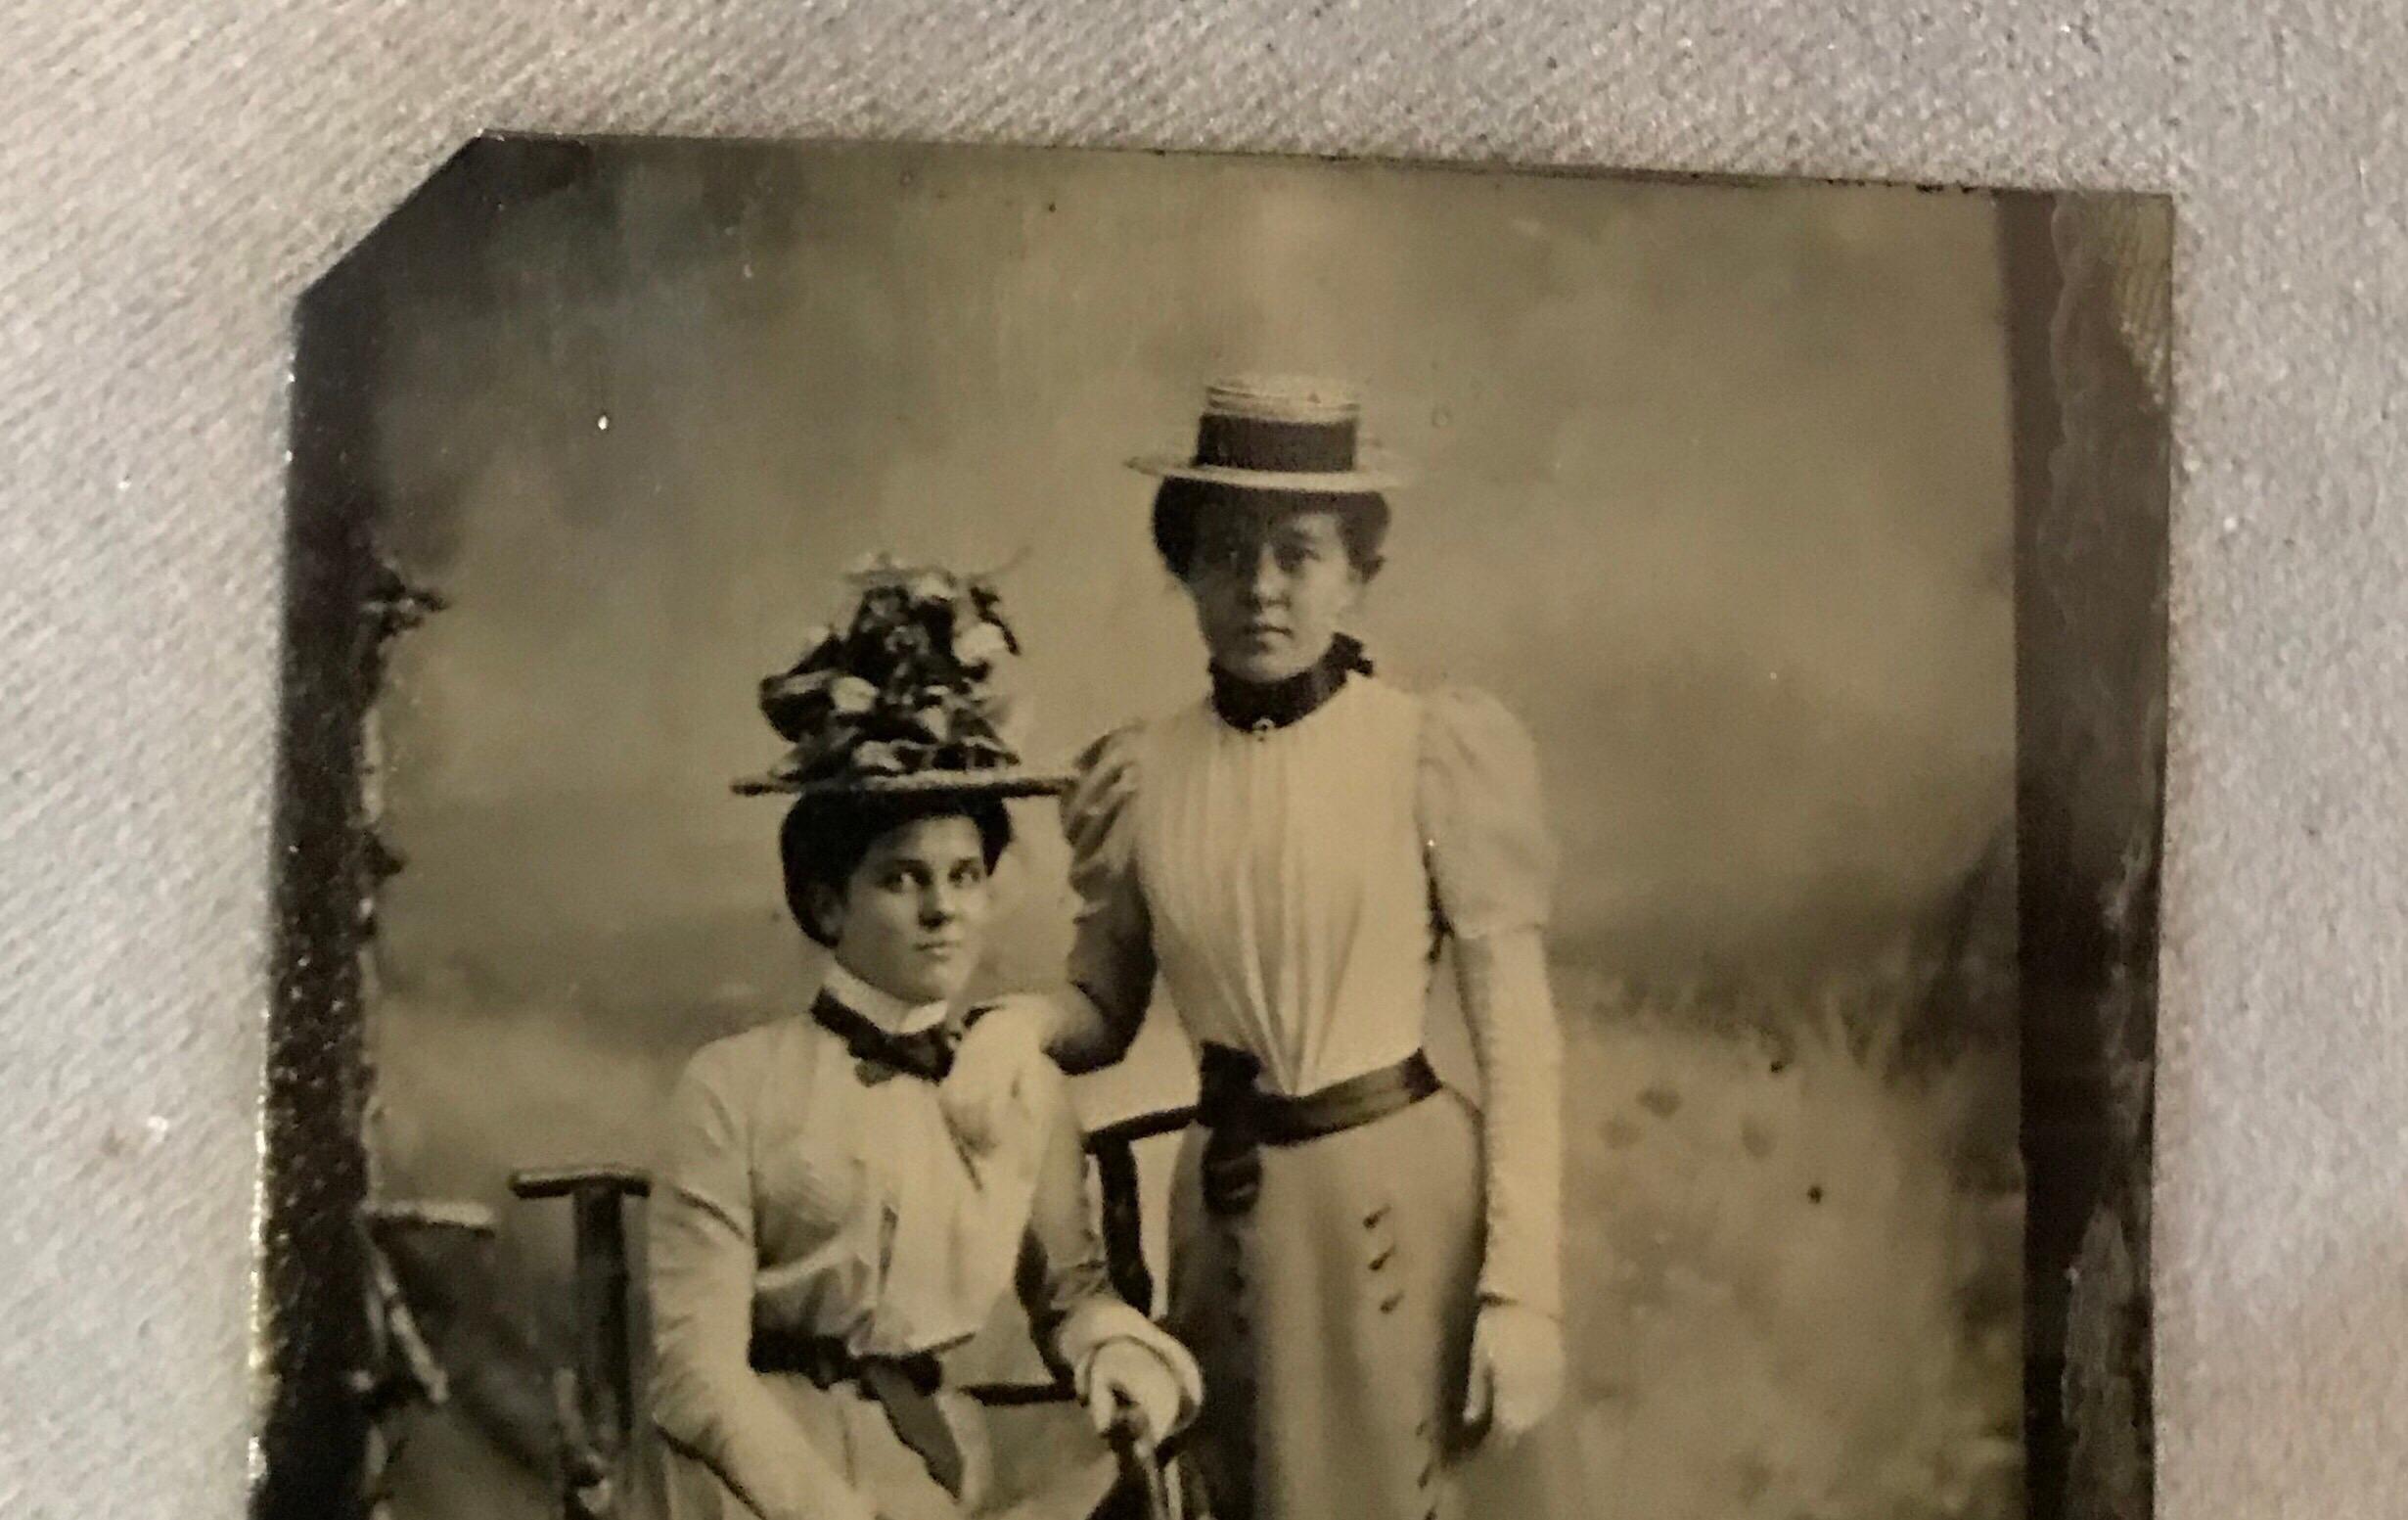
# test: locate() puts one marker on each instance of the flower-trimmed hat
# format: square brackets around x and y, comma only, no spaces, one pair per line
[1279,433]
[903,699]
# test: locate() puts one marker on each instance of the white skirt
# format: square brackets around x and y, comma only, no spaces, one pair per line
[850,1433]
[1051,1465]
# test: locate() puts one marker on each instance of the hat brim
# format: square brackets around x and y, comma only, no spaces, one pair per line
[996,783]
[1370,473]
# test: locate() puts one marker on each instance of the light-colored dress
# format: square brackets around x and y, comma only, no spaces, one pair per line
[805,1194]
[1291,886]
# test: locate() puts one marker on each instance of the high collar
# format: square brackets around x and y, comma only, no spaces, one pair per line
[882,1008]
[1257,707]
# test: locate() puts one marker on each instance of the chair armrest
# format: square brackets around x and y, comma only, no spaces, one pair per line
[1126,1132]
[1114,1149]
[561,1181]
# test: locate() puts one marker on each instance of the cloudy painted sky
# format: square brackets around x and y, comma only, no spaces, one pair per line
[1713,491]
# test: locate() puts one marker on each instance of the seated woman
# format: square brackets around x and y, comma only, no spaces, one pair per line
[818,1243]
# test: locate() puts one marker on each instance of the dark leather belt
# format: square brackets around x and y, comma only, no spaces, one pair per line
[1241,1116]
[904,1386]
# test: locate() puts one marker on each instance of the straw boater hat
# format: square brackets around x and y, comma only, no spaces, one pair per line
[1279,433]
[903,699]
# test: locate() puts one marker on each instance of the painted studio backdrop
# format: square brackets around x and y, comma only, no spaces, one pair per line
[1715,492]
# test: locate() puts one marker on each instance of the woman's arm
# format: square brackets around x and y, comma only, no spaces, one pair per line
[1509,1010]
[1094,1018]
[1515,1377]
[1110,1352]
[1110,977]
[1073,1026]
[1029,1039]
[1491,861]
[706,1399]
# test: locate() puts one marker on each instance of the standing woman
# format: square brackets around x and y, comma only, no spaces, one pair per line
[820,1248]
[1366,1266]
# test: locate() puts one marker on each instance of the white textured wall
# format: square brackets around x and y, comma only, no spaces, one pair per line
[172,175]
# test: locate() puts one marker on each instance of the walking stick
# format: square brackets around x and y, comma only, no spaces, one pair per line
[595,1396]
[1142,1469]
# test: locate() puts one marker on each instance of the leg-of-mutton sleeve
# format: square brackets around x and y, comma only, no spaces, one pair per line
[1063,1281]
[1111,954]
[1493,865]
[707,1400]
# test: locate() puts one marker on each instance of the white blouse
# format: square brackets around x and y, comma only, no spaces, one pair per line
[798,1195]
[1291,886]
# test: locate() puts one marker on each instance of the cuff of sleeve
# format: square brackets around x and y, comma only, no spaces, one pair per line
[1098,1322]
[1540,1293]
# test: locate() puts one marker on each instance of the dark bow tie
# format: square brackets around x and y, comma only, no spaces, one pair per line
[1257,707]
[927,1054]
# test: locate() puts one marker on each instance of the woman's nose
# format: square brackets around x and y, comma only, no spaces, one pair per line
[940,903]
[1264,580]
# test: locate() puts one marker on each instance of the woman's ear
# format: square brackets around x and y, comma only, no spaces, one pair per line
[1359,583]
[826,905]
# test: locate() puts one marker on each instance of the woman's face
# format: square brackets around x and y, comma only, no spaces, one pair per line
[1271,590]
[913,919]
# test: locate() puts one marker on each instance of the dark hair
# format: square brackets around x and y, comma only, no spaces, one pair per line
[825,839]
[1179,506]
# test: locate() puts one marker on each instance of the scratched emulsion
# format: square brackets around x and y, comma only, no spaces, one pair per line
[344,604]
[2097,651]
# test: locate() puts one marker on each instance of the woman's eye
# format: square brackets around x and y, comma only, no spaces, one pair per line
[968,876]
[1232,549]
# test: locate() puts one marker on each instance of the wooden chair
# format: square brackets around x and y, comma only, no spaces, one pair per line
[402,1375]
[594,1396]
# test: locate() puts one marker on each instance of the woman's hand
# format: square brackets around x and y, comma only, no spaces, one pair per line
[992,1071]
[1516,1368]
[1127,1373]
[844,1502]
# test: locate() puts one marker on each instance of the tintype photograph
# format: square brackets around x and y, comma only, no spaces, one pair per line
[1045,833]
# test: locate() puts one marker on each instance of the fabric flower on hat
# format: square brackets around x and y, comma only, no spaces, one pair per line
[908,687]
[980,644]
[878,758]
[849,696]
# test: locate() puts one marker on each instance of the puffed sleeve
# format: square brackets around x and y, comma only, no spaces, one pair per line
[1491,854]
[1491,864]
[1112,952]
[707,1400]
